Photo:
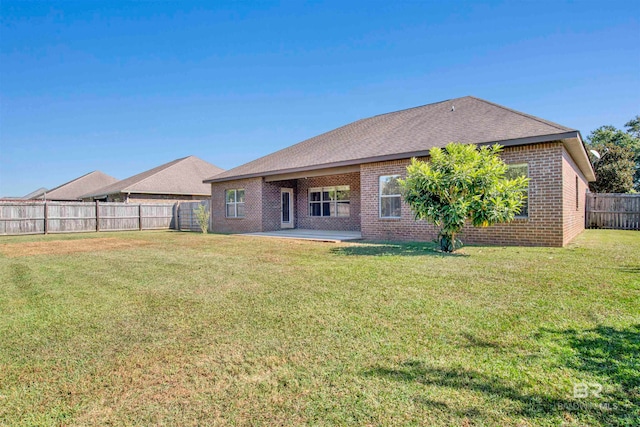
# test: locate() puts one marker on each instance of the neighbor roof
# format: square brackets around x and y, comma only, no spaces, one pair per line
[34,194]
[182,176]
[73,190]
[408,133]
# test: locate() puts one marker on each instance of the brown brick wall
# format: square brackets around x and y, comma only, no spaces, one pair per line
[262,204]
[543,227]
[573,216]
[553,219]
[350,223]
[271,199]
[252,221]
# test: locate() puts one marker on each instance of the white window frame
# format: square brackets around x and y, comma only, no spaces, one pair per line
[333,203]
[526,165]
[384,196]
[235,203]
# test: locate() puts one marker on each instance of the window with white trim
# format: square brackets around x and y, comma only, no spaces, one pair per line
[390,197]
[514,171]
[235,203]
[329,201]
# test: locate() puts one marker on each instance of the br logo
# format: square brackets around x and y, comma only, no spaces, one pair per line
[584,390]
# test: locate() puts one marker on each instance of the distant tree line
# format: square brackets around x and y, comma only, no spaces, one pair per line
[616,160]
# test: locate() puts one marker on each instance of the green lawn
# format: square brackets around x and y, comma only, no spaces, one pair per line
[188,329]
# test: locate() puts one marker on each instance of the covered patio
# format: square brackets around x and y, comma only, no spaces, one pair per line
[316,235]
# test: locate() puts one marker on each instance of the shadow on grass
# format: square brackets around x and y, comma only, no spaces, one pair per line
[492,388]
[630,269]
[610,355]
[395,249]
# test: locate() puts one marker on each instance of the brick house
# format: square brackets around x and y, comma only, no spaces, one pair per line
[175,181]
[345,179]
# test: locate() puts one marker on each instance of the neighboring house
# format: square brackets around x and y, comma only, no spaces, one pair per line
[345,179]
[33,195]
[178,180]
[73,190]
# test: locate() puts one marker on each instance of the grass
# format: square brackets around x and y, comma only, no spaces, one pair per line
[175,328]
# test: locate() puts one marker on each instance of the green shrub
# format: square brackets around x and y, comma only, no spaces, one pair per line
[202,217]
[460,183]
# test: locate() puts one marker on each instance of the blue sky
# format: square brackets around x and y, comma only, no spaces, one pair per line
[122,87]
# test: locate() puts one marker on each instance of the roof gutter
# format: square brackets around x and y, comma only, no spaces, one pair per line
[578,151]
[572,141]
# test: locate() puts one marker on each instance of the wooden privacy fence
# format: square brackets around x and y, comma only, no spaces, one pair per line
[70,217]
[186,220]
[614,211]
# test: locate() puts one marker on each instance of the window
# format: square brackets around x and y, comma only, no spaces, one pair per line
[329,201]
[235,203]
[390,199]
[514,171]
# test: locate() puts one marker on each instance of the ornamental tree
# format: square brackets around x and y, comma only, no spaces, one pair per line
[460,183]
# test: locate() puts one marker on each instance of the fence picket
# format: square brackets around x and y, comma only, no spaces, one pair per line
[613,211]
[25,217]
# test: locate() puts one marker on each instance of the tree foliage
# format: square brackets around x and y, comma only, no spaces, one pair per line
[633,127]
[202,217]
[618,168]
[614,170]
[460,183]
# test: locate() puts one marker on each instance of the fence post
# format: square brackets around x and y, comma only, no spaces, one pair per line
[140,216]
[178,217]
[97,216]
[46,218]
[587,209]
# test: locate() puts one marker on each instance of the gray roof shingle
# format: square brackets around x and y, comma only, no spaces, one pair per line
[182,176]
[411,131]
[74,189]
[34,194]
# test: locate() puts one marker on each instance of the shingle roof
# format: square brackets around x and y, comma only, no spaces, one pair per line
[34,194]
[411,131]
[181,176]
[73,190]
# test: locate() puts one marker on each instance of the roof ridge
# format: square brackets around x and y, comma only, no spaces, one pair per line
[72,181]
[529,116]
[513,125]
[160,168]
[412,108]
